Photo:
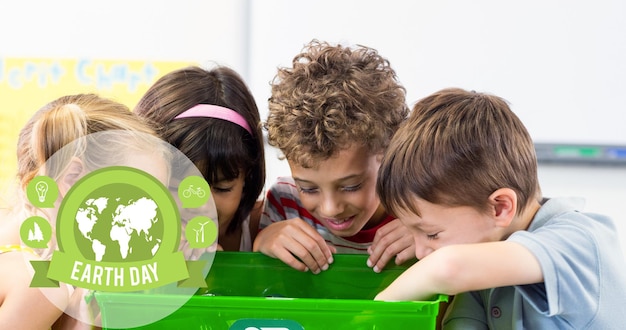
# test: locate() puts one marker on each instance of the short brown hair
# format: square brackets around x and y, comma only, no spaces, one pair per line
[332,97]
[456,149]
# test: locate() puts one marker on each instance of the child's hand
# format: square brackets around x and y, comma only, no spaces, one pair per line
[391,240]
[297,244]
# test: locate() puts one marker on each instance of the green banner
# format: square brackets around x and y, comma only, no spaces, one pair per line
[118,277]
[40,279]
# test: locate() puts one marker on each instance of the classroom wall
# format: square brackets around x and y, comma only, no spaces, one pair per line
[184,30]
[559,63]
[115,48]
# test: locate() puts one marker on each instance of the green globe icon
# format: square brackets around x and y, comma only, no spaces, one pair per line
[118,223]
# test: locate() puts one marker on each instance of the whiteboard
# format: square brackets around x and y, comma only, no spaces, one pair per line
[560,64]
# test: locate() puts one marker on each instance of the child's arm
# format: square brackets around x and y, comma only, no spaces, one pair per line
[24,307]
[393,240]
[82,309]
[465,267]
[296,243]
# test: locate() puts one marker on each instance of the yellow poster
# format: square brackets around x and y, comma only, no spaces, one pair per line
[27,84]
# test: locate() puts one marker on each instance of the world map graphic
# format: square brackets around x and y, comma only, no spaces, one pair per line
[115,229]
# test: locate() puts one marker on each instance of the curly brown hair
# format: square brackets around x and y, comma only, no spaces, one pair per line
[332,97]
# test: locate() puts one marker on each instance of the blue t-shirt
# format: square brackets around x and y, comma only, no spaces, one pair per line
[584,277]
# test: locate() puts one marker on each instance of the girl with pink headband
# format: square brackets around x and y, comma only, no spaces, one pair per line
[211,116]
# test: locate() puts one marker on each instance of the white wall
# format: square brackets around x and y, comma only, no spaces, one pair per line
[182,30]
[560,63]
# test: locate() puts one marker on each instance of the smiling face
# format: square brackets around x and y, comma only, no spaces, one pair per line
[341,191]
[439,225]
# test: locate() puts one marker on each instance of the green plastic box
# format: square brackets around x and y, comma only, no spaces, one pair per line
[251,291]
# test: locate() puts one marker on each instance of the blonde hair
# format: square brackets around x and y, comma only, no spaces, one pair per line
[61,130]
[65,120]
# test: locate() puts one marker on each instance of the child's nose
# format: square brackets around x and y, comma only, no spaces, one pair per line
[422,249]
[331,206]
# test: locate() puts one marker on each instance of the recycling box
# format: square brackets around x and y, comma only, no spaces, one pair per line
[248,290]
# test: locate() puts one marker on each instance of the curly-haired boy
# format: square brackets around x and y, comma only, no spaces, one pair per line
[332,115]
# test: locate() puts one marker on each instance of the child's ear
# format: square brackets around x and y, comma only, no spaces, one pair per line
[504,203]
[379,157]
[72,173]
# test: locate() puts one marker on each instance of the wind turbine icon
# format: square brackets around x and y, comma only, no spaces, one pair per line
[200,231]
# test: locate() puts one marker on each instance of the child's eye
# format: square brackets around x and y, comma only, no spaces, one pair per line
[432,236]
[221,189]
[352,188]
[307,190]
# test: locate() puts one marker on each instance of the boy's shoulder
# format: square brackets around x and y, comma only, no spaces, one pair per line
[581,260]
[566,210]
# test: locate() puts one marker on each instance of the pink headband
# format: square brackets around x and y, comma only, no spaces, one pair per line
[215,111]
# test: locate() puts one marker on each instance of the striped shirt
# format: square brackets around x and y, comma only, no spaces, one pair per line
[283,202]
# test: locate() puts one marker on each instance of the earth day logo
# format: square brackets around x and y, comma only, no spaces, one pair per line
[120,229]
[111,232]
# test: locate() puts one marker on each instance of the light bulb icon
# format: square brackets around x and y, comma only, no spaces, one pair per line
[42,190]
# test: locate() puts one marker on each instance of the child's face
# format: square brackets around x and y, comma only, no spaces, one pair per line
[440,225]
[227,195]
[341,191]
[150,163]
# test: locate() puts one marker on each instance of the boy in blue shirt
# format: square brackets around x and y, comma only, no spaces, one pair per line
[461,173]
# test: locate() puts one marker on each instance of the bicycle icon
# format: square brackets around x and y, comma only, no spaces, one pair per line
[198,191]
